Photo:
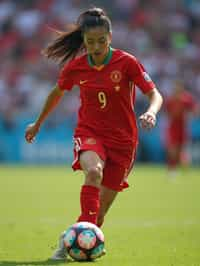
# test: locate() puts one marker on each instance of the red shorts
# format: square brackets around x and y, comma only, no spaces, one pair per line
[118,161]
[176,138]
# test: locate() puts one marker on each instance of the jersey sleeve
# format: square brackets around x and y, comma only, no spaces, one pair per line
[65,78]
[139,76]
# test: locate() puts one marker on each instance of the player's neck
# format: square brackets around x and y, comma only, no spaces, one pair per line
[99,61]
[95,61]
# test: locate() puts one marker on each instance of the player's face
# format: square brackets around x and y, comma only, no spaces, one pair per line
[97,41]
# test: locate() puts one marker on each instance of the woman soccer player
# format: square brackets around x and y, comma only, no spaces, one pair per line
[106,136]
[178,106]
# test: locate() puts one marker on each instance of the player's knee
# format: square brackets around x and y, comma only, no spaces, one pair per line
[94,175]
[95,172]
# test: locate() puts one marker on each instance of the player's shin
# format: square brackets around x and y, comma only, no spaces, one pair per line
[90,203]
[100,221]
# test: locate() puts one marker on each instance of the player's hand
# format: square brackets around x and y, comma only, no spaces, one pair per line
[31,132]
[147,120]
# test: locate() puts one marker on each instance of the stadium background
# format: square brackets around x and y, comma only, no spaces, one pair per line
[164,35]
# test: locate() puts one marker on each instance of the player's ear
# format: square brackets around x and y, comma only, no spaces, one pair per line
[110,37]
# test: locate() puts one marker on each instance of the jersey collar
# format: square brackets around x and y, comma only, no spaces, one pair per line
[105,62]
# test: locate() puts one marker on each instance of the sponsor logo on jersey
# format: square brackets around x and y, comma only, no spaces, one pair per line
[116,76]
[92,213]
[83,82]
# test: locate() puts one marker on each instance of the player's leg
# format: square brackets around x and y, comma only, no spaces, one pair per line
[115,178]
[185,158]
[114,181]
[107,197]
[173,160]
[174,149]
[92,166]
[173,155]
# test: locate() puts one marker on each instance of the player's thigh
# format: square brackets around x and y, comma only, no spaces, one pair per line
[90,160]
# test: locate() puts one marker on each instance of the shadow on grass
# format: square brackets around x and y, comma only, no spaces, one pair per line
[32,263]
[39,263]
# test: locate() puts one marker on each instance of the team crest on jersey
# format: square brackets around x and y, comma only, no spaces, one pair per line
[90,141]
[116,76]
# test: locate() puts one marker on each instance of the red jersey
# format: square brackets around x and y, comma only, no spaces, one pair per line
[178,109]
[107,95]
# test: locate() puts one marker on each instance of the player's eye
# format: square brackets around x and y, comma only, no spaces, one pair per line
[102,41]
[90,42]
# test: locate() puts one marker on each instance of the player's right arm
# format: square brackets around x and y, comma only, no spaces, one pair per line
[51,102]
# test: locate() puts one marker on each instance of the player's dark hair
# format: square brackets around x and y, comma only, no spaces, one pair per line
[68,44]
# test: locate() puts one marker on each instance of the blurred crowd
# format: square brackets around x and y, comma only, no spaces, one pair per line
[164,35]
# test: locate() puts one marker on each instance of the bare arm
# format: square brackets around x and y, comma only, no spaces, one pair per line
[155,100]
[148,119]
[51,102]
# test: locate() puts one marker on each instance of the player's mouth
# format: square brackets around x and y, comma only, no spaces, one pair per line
[97,53]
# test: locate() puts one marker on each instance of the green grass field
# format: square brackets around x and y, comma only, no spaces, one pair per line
[155,222]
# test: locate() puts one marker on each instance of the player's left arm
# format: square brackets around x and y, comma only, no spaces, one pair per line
[148,119]
[136,72]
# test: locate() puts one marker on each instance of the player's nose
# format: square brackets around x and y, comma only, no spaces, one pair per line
[96,47]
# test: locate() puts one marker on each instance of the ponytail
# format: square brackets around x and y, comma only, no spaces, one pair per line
[68,44]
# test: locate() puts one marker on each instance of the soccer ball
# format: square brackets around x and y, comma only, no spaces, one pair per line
[84,241]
